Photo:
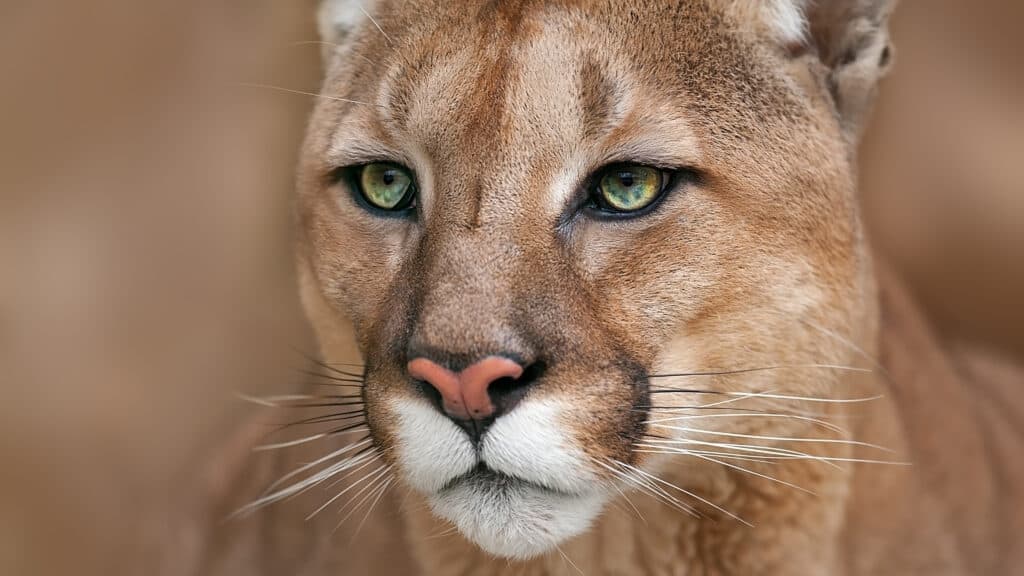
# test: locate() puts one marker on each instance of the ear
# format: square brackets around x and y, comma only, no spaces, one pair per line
[849,37]
[336,20]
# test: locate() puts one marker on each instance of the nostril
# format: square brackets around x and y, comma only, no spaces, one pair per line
[481,392]
[506,393]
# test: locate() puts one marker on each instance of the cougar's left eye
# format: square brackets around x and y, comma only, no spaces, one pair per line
[628,187]
[386,186]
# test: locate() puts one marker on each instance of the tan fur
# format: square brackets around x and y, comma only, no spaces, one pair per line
[501,108]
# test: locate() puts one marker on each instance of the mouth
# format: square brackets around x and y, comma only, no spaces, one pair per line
[484,478]
[513,518]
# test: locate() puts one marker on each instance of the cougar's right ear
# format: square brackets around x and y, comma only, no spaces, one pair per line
[336,20]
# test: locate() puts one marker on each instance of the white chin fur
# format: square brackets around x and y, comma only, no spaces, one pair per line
[514,519]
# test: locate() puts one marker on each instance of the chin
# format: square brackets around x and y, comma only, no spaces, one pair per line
[512,518]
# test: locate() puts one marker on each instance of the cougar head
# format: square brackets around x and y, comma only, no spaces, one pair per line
[525,217]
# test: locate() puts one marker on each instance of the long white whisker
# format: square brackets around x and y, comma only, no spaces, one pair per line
[760,459]
[755,473]
[849,343]
[272,401]
[306,440]
[774,438]
[380,494]
[379,29]
[822,423]
[683,374]
[567,559]
[687,492]
[650,489]
[803,398]
[760,450]
[319,461]
[302,93]
[369,490]
[381,470]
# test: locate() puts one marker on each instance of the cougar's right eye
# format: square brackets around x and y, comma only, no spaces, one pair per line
[385,186]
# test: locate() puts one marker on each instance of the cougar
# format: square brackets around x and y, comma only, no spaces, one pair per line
[593,295]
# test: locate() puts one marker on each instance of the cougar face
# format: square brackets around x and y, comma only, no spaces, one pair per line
[527,216]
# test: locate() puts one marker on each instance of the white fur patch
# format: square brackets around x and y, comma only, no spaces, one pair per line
[786,18]
[542,489]
[516,520]
[432,450]
[337,17]
[530,443]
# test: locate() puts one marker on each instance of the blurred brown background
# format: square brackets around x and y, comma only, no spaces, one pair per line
[144,250]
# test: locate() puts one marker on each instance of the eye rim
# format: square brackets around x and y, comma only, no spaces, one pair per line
[351,177]
[671,178]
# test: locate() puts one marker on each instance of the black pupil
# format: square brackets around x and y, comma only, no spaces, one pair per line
[626,178]
[388,177]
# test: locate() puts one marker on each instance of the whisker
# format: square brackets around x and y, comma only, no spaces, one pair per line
[441,534]
[849,344]
[759,369]
[825,460]
[669,390]
[353,446]
[308,439]
[687,492]
[567,559]
[755,473]
[775,438]
[804,398]
[760,450]
[383,490]
[326,405]
[379,29]
[335,417]
[630,502]
[331,368]
[270,401]
[822,423]
[352,380]
[353,505]
[301,92]
[372,476]
[649,488]
[728,455]
[271,496]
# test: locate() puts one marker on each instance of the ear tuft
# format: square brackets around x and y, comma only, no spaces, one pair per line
[336,18]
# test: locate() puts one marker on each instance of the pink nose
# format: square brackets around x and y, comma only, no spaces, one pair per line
[465,393]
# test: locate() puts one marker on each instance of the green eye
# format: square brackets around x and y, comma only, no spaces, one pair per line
[386,186]
[628,187]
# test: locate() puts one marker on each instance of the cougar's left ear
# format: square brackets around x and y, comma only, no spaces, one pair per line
[849,37]
[336,20]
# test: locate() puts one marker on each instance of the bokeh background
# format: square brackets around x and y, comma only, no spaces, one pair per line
[145,277]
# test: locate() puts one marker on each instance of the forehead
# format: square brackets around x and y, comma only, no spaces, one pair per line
[478,80]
